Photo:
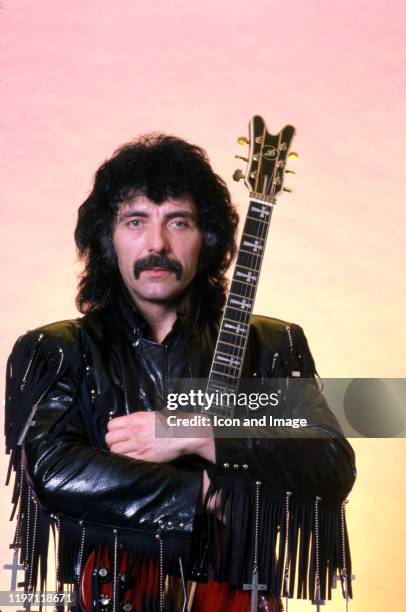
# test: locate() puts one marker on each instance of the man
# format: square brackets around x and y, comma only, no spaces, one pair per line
[157,234]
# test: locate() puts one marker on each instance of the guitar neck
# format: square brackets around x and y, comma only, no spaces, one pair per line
[232,339]
[264,178]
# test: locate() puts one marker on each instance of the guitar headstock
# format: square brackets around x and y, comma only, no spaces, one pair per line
[266,162]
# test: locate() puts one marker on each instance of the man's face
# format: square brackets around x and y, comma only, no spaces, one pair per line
[157,247]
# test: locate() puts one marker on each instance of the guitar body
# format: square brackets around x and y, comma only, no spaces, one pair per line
[96,587]
[141,583]
[221,597]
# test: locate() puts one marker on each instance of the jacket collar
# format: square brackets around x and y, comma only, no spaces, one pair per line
[127,316]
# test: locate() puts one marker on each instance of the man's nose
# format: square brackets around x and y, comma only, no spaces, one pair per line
[157,239]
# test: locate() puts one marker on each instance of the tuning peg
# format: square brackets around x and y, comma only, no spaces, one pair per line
[290,172]
[238,175]
[242,140]
[288,189]
[240,157]
[293,155]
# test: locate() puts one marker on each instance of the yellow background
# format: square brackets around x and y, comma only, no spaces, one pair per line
[78,79]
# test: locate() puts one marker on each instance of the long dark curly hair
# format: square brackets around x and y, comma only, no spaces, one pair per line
[157,166]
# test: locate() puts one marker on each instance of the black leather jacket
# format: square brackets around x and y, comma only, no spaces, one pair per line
[82,372]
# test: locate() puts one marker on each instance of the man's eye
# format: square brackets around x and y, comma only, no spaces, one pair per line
[134,223]
[179,223]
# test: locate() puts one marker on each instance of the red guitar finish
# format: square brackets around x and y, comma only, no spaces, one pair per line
[209,597]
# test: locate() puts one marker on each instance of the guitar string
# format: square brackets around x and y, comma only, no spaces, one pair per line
[232,373]
[254,261]
[228,373]
[249,292]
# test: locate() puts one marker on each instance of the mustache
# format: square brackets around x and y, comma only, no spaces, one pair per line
[157,261]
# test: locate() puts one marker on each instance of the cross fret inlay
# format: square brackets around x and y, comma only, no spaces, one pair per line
[227,359]
[249,277]
[263,212]
[238,328]
[253,245]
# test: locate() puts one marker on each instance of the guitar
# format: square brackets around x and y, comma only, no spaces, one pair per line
[264,177]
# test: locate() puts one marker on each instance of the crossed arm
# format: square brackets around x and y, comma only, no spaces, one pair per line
[134,435]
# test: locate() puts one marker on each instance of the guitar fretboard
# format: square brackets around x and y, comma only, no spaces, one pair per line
[232,340]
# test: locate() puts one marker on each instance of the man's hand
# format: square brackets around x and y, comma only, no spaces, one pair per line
[133,435]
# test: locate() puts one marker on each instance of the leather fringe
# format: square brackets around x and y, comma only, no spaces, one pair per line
[303,552]
[294,553]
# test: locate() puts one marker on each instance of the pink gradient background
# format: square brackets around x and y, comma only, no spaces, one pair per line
[80,78]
